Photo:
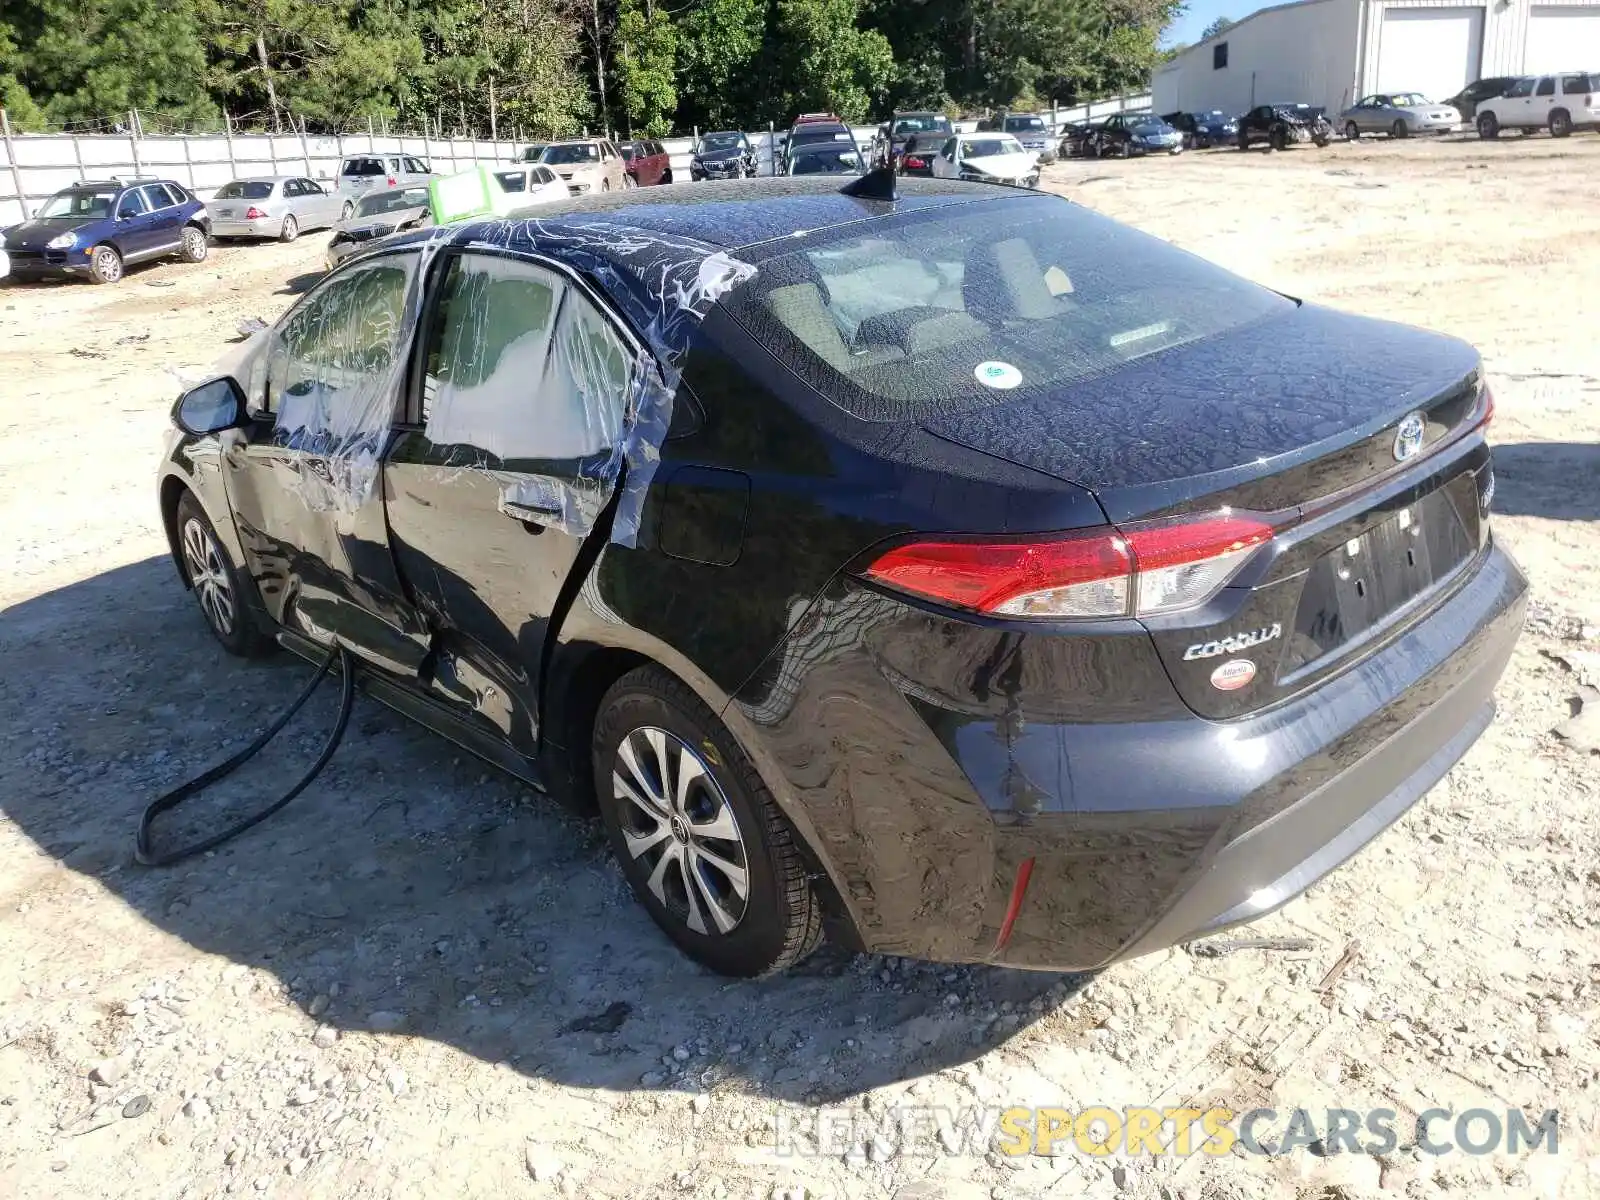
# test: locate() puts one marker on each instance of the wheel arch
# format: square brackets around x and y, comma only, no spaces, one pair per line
[172,491]
[578,679]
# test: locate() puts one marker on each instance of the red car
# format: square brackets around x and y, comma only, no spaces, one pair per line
[648,162]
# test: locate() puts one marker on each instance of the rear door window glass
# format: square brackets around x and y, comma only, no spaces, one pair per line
[896,324]
[157,196]
[523,367]
[1547,87]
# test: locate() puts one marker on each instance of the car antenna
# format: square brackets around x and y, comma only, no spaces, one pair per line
[876,184]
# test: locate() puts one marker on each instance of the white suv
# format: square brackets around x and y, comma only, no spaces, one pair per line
[1560,103]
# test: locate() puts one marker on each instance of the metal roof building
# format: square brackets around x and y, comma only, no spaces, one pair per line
[1333,52]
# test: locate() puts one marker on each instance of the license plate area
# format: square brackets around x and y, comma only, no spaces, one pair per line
[1359,586]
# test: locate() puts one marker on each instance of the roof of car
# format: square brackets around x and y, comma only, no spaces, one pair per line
[728,215]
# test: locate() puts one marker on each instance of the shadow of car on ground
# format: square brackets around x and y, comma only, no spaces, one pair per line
[419,886]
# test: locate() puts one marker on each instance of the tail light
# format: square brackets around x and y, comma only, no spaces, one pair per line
[1485,408]
[1140,570]
[254,214]
[914,163]
[391,181]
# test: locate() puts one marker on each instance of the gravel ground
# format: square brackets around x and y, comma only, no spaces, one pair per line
[420,980]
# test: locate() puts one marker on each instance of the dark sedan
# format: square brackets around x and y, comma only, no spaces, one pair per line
[991,579]
[724,155]
[1203,130]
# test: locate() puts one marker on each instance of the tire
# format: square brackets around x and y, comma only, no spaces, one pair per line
[1488,126]
[1400,130]
[1126,150]
[629,183]
[218,587]
[652,718]
[348,211]
[291,229]
[1560,123]
[667,178]
[1352,132]
[1278,141]
[1244,141]
[105,264]
[194,246]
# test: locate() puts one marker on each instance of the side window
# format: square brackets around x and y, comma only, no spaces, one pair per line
[1547,87]
[523,367]
[949,149]
[337,355]
[157,196]
[1571,85]
[291,188]
[132,204]
[1522,87]
[415,167]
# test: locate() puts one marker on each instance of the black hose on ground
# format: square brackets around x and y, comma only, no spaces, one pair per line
[170,800]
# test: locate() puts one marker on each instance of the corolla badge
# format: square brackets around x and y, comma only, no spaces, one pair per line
[1234,643]
[1408,436]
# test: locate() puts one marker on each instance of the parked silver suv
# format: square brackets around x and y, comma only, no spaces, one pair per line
[361,173]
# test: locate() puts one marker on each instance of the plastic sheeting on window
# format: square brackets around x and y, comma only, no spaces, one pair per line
[664,286]
[335,372]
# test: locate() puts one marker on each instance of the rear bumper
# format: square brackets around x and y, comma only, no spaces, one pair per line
[1134,830]
[266,227]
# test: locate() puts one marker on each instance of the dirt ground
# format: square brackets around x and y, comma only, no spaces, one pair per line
[421,981]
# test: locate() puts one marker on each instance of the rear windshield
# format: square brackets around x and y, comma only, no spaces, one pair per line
[929,314]
[826,162]
[245,189]
[388,202]
[921,124]
[1023,124]
[512,181]
[362,166]
[810,135]
[583,152]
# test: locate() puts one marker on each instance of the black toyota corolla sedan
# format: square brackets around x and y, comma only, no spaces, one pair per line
[966,570]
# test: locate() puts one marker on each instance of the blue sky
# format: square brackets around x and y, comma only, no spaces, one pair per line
[1186,29]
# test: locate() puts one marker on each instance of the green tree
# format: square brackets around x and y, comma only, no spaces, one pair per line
[719,42]
[828,61]
[646,45]
[1220,25]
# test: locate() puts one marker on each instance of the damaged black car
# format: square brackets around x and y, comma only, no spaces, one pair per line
[1279,126]
[950,567]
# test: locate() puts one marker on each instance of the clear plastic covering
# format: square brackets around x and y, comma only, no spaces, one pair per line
[528,381]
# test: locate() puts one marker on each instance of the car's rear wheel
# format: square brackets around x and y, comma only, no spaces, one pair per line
[193,246]
[1488,126]
[667,178]
[218,588]
[1400,129]
[1352,131]
[290,231]
[1560,123]
[1278,141]
[105,264]
[700,839]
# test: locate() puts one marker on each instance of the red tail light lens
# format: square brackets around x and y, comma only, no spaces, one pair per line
[915,163]
[1485,407]
[253,214]
[1139,571]
[391,181]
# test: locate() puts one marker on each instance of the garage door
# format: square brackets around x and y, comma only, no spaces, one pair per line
[1562,39]
[1435,51]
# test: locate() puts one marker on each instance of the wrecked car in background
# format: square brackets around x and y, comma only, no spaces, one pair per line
[1280,126]
[1043,701]
[377,215]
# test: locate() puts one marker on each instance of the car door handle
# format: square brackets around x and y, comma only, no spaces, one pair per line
[532,516]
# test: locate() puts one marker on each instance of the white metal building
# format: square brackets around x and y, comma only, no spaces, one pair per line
[1333,52]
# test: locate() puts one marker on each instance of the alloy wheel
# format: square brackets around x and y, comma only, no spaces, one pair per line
[208,575]
[678,824]
[107,264]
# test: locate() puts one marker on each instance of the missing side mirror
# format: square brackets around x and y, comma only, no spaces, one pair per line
[212,407]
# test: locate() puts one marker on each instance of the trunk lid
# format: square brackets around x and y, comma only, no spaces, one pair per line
[1356,436]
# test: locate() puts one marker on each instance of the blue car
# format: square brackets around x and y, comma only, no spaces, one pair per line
[1202,130]
[95,229]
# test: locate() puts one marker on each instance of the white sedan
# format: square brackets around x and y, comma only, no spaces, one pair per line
[527,183]
[987,158]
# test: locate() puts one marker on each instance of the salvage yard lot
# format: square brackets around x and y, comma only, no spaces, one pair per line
[420,980]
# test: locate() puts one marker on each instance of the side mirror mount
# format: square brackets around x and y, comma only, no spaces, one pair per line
[211,407]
